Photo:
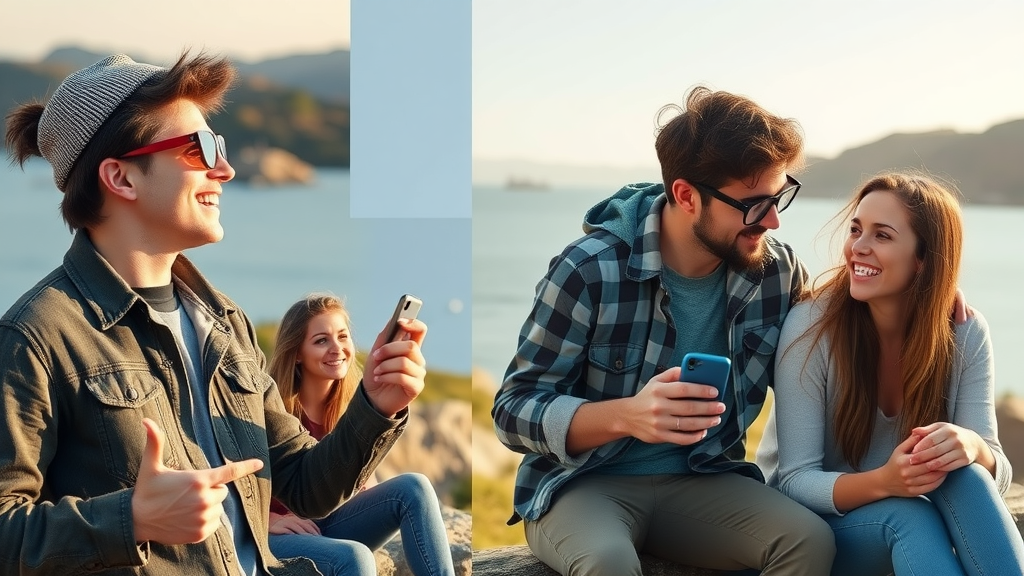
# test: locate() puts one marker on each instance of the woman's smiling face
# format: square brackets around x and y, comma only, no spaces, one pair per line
[327,351]
[881,248]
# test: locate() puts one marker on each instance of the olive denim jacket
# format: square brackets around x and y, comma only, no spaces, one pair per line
[81,363]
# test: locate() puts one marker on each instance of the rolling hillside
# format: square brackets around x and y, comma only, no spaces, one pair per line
[986,167]
[293,103]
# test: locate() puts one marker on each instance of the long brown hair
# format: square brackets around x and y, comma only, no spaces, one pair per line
[929,343]
[288,374]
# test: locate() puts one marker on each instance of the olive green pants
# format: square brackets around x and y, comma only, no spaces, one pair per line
[598,525]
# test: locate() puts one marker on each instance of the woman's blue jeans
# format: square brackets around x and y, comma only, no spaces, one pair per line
[961,528]
[350,534]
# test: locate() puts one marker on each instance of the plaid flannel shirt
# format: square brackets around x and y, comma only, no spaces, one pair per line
[600,328]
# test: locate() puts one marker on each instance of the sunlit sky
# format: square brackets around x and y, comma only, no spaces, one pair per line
[580,81]
[244,29]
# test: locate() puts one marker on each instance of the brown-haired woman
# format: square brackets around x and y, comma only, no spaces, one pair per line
[884,420]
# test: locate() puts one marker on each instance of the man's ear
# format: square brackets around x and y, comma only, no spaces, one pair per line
[684,195]
[119,177]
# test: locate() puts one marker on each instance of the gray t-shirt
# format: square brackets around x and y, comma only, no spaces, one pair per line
[798,453]
[167,309]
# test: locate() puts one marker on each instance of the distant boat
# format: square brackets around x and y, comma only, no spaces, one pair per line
[525,184]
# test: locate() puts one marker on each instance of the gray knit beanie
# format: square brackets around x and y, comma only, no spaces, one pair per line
[81,104]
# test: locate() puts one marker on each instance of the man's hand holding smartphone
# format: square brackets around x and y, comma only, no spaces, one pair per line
[671,409]
[395,366]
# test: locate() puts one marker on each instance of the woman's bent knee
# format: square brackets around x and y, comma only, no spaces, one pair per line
[415,485]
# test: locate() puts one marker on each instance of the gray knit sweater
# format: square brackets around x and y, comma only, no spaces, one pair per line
[798,453]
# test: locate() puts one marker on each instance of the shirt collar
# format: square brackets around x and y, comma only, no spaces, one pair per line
[110,297]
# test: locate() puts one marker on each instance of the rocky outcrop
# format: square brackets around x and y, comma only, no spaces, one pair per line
[437,444]
[1010,420]
[271,167]
[519,561]
[391,560]
[491,458]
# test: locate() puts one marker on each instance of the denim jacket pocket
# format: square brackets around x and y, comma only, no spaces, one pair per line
[247,376]
[242,390]
[126,396]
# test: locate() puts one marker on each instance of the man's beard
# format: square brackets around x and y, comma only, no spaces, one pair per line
[729,251]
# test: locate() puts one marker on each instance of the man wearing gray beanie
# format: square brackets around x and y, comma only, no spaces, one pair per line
[139,431]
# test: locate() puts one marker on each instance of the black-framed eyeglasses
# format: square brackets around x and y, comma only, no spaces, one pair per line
[210,146]
[755,210]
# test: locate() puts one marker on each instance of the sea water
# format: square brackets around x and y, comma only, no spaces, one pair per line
[516,233]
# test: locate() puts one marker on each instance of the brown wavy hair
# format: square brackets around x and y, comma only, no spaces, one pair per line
[288,374]
[720,136]
[929,342]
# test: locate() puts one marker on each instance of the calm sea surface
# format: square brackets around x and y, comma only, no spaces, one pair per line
[515,234]
[279,244]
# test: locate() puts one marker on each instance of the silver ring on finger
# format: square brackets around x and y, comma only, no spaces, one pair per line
[677,425]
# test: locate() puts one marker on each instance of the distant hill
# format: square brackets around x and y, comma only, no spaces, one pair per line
[72,58]
[325,76]
[298,103]
[988,168]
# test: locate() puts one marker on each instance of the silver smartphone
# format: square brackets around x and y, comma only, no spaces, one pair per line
[408,307]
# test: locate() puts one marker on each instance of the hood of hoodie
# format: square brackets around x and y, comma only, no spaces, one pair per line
[624,212]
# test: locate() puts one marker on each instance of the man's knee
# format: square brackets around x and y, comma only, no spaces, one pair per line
[578,552]
[617,558]
[807,535]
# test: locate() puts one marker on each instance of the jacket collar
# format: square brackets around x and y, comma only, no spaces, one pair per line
[110,297]
[645,252]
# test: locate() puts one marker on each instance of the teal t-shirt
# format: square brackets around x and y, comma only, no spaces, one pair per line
[697,307]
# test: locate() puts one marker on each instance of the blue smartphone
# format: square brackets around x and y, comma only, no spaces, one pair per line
[707,369]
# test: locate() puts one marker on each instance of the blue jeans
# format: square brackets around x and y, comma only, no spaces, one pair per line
[350,534]
[961,528]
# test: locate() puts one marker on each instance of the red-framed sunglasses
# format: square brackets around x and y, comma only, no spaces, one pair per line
[210,146]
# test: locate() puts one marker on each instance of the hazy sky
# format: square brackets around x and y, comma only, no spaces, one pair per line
[248,30]
[580,81]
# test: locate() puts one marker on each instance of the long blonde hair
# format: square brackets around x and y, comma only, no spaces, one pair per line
[288,374]
[929,342]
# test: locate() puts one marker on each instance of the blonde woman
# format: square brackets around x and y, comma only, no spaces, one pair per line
[314,364]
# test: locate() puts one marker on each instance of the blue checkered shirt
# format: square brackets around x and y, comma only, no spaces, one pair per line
[601,327]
